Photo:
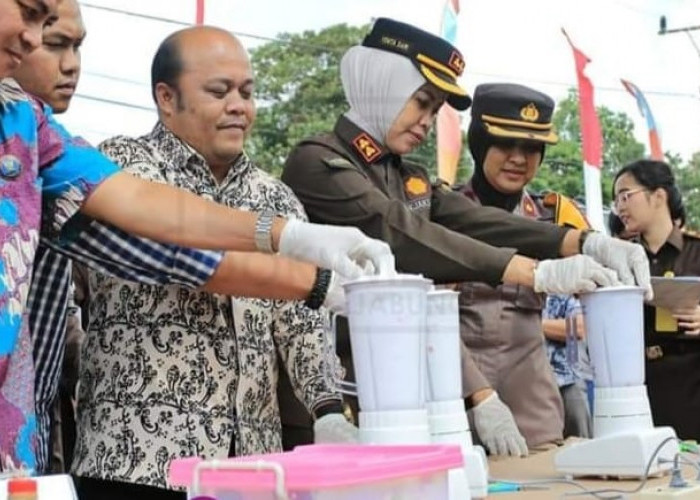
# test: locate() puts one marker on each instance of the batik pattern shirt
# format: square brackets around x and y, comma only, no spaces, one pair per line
[40,163]
[168,371]
[560,307]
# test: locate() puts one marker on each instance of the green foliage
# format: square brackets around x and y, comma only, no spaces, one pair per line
[688,180]
[562,169]
[297,89]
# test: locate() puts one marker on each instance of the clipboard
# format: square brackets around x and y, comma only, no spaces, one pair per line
[680,291]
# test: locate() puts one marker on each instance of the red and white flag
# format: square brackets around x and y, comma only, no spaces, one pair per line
[592,141]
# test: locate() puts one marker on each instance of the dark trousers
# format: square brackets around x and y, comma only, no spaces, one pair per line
[99,489]
[673,383]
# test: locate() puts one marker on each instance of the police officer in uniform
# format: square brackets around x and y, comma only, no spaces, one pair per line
[649,204]
[395,82]
[512,389]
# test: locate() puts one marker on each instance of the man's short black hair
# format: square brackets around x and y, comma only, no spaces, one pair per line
[167,64]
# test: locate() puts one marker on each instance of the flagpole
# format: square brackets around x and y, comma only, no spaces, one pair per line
[447,127]
[199,16]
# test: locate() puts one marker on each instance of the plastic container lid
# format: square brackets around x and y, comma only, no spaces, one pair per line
[318,467]
[21,485]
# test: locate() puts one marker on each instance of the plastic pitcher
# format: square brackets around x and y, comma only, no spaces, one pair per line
[387,320]
[443,346]
[614,323]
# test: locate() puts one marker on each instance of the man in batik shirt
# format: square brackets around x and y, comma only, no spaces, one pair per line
[169,372]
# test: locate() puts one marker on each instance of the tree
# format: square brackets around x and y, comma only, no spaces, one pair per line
[562,169]
[688,181]
[298,90]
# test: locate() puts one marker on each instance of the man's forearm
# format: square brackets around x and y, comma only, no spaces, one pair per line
[262,276]
[172,215]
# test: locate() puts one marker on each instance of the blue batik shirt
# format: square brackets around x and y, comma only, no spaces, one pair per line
[559,307]
[45,175]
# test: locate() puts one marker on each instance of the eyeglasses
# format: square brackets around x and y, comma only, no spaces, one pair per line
[624,197]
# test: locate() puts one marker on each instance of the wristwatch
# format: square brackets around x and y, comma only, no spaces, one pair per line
[263,232]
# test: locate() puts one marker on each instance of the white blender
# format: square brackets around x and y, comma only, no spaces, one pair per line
[447,417]
[404,338]
[624,436]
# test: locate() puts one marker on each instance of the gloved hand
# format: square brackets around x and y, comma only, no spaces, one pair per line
[346,250]
[335,296]
[496,428]
[628,259]
[334,428]
[570,275]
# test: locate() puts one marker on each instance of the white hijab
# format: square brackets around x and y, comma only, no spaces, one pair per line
[377,85]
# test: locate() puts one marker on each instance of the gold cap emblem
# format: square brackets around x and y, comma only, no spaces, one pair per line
[530,113]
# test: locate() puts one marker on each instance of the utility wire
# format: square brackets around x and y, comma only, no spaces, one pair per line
[115,102]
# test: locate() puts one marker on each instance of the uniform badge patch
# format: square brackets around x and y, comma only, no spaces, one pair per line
[529,207]
[416,186]
[367,147]
[456,63]
[530,113]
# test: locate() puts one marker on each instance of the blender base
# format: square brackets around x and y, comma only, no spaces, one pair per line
[626,454]
[449,425]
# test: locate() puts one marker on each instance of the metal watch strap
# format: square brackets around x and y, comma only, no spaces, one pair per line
[263,232]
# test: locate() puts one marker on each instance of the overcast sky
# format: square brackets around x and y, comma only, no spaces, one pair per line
[502,40]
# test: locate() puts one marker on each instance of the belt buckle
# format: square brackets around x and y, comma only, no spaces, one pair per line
[654,352]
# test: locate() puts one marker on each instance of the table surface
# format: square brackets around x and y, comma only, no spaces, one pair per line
[541,466]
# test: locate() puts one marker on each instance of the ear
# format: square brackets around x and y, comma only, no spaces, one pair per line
[166,99]
[661,197]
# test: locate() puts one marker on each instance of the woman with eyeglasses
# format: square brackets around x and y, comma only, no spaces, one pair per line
[648,202]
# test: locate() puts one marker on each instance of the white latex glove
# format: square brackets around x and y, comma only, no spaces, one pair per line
[335,296]
[346,250]
[334,428]
[495,425]
[628,259]
[570,275]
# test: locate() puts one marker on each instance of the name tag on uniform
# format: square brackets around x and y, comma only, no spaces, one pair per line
[665,322]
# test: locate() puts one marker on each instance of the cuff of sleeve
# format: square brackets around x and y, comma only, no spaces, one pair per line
[327,407]
[493,275]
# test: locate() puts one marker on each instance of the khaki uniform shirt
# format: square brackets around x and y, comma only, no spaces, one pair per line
[346,178]
[168,371]
[503,348]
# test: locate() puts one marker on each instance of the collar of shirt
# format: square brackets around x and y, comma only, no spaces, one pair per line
[675,239]
[181,156]
[10,91]
[362,145]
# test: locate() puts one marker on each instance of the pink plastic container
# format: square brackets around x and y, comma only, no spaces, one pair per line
[323,472]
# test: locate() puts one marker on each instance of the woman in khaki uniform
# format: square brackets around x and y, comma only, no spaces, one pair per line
[515,394]
[395,82]
[650,205]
